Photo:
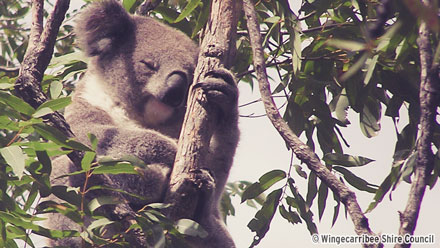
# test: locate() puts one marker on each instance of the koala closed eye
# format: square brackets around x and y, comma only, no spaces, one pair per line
[150,64]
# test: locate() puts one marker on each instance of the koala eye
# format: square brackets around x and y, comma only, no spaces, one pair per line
[150,64]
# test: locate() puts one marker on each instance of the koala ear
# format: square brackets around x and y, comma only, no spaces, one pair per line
[102,26]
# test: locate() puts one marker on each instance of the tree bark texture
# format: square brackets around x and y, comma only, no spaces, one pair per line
[302,151]
[216,50]
[429,100]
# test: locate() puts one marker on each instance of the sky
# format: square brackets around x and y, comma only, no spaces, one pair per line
[261,149]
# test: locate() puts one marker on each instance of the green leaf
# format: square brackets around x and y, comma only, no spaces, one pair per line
[347,45]
[302,207]
[128,4]
[93,141]
[312,189]
[135,161]
[187,10]
[56,104]
[69,58]
[336,209]
[300,171]
[370,118]
[55,89]
[322,198]
[264,183]
[42,112]
[339,105]
[191,228]
[346,160]
[15,157]
[68,194]
[294,117]
[273,19]
[99,223]
[53,134]
[202,18]
[261,222]
[356,181]
[33,193]
[291,216]
[118,168]
[371,63]
[357,66]
[101,201]
[86,162]
[16,103]
[295,36]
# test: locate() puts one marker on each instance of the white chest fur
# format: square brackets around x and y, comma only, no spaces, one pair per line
[94,93]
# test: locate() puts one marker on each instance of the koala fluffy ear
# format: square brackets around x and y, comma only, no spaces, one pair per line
[103,26]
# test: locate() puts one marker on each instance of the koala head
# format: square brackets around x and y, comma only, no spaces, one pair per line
[145,65]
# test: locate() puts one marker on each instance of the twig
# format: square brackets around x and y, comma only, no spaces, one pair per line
[13,70]
[429,100]
[147,6]
[302,151]
[239,75]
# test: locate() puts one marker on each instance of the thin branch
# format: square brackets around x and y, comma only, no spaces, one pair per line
[302,151]
[307,16]
[429,100]
[255,101]
[13,70]
[239,75]
[147,6]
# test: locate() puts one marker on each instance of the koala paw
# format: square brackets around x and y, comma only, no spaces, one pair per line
[221,89]
[204,181]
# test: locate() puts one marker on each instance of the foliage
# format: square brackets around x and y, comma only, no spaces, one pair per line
[327,61]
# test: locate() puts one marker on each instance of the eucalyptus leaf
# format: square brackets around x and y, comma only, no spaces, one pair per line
[15,157]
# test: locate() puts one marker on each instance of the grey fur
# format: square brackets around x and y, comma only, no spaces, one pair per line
[133,99]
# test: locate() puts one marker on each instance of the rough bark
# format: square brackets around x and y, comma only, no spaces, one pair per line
[429,100]
[216,51]
[37,57]
[301,150]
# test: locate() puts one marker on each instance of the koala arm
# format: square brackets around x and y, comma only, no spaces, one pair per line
[148,145]
[156,150]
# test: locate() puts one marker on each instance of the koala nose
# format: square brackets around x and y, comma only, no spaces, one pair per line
[176,90]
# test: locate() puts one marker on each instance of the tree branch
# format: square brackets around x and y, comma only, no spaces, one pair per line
[36,59]
[429,100]
[216,51]
[302,151]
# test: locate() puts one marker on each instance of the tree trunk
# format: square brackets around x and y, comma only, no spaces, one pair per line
[217,49]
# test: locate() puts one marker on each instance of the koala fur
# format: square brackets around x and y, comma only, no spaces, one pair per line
[132,98]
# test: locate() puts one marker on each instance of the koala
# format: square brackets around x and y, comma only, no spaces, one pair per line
[133,99]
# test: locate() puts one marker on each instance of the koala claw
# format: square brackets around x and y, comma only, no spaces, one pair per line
[221,89]
[204,180]
[224,74]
